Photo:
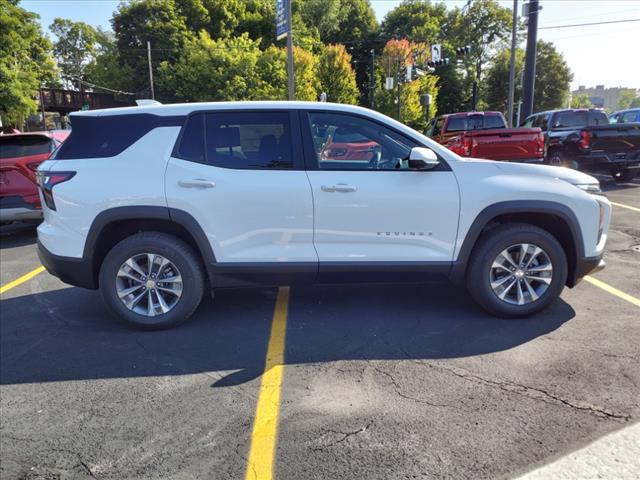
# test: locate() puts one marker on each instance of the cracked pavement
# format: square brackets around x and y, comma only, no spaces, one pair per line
[381,381]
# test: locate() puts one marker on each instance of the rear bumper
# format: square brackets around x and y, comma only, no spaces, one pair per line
[74,271]
[584,267]
[603,160]
[17,214]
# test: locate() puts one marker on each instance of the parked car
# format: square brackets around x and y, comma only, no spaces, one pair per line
[20,156]
[625,116]
[154,204]
[584,139]
[485,135]
[343,145]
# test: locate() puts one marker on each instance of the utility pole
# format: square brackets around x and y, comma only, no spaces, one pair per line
[153,96]
[372,82]
[530,60]
[512,63]
[398,90]
[290,69]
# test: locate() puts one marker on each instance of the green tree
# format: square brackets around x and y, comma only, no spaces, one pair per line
[156,21]
[486,27]
[214,70]
[553,78]
[635,103]
[106,69]
[337,78]
[417,20]
[306,78]
[26,62]
[74,49]
[625,99]
[581,101]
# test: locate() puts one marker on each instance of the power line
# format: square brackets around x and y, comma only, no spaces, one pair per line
[89,84]
[588,24]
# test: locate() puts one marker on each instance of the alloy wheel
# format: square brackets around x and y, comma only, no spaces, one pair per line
[521,274]
[149,284]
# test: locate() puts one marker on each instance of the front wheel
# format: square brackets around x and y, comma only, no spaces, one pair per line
[624,175]
[152,280]
[516,270]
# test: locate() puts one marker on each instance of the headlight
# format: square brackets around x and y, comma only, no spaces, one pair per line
[593,188]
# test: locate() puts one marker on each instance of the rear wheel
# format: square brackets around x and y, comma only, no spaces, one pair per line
[624,175]
[516,270]
[559,159]
[152,281]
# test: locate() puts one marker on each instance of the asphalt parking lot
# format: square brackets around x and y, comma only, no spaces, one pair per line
[378,382]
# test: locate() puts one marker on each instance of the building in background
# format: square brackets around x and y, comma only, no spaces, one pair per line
[602,97]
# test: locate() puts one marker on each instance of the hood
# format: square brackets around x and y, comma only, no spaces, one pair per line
[562,173]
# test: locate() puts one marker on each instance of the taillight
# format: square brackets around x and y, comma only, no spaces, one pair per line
[467,145]
[585,138]
[540,141]
[48,180]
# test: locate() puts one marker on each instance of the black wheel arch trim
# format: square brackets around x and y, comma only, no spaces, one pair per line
[458,270]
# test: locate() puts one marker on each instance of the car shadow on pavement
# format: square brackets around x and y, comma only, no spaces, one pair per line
[66,334]
[17,235]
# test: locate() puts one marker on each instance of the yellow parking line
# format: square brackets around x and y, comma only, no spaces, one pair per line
[613,291]
[265,424]
[622,205]
[22,279]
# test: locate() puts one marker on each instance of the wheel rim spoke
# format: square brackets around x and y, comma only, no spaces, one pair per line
[504,292]
[128,291]
[530,289]
[141,287]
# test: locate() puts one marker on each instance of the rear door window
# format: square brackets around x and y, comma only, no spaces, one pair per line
[630,117]
[24,146]
[250,140]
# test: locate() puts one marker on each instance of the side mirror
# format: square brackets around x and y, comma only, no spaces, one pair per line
[422,158]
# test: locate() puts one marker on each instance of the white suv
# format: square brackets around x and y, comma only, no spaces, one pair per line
[154,204]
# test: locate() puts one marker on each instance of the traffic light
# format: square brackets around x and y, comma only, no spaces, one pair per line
[444,61]
[462,51]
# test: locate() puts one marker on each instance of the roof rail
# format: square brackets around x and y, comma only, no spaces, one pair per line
[147,101]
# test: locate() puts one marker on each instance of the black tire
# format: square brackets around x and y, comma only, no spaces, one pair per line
[624,175]
[174,250]
[558,159]
[489,247]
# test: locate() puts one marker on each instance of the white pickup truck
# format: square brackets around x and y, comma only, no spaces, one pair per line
[157,203]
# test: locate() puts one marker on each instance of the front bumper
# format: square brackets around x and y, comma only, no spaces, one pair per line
[584,267]
[74,271]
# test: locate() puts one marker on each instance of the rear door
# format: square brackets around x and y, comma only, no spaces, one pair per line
[240,174]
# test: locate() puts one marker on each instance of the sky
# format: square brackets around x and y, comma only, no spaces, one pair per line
[597,54]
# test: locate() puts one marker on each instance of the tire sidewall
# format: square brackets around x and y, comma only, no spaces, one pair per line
[191,282]
[479,278]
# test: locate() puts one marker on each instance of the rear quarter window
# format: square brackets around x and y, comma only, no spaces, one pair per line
[108,136]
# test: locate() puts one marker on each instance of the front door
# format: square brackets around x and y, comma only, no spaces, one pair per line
[370,208]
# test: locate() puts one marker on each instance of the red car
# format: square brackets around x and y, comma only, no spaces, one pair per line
[20,156]
[348,146]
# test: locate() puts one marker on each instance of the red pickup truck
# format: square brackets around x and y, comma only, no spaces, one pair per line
[485,135]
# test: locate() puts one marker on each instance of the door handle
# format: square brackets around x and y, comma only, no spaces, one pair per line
[196,183]
[340,187]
